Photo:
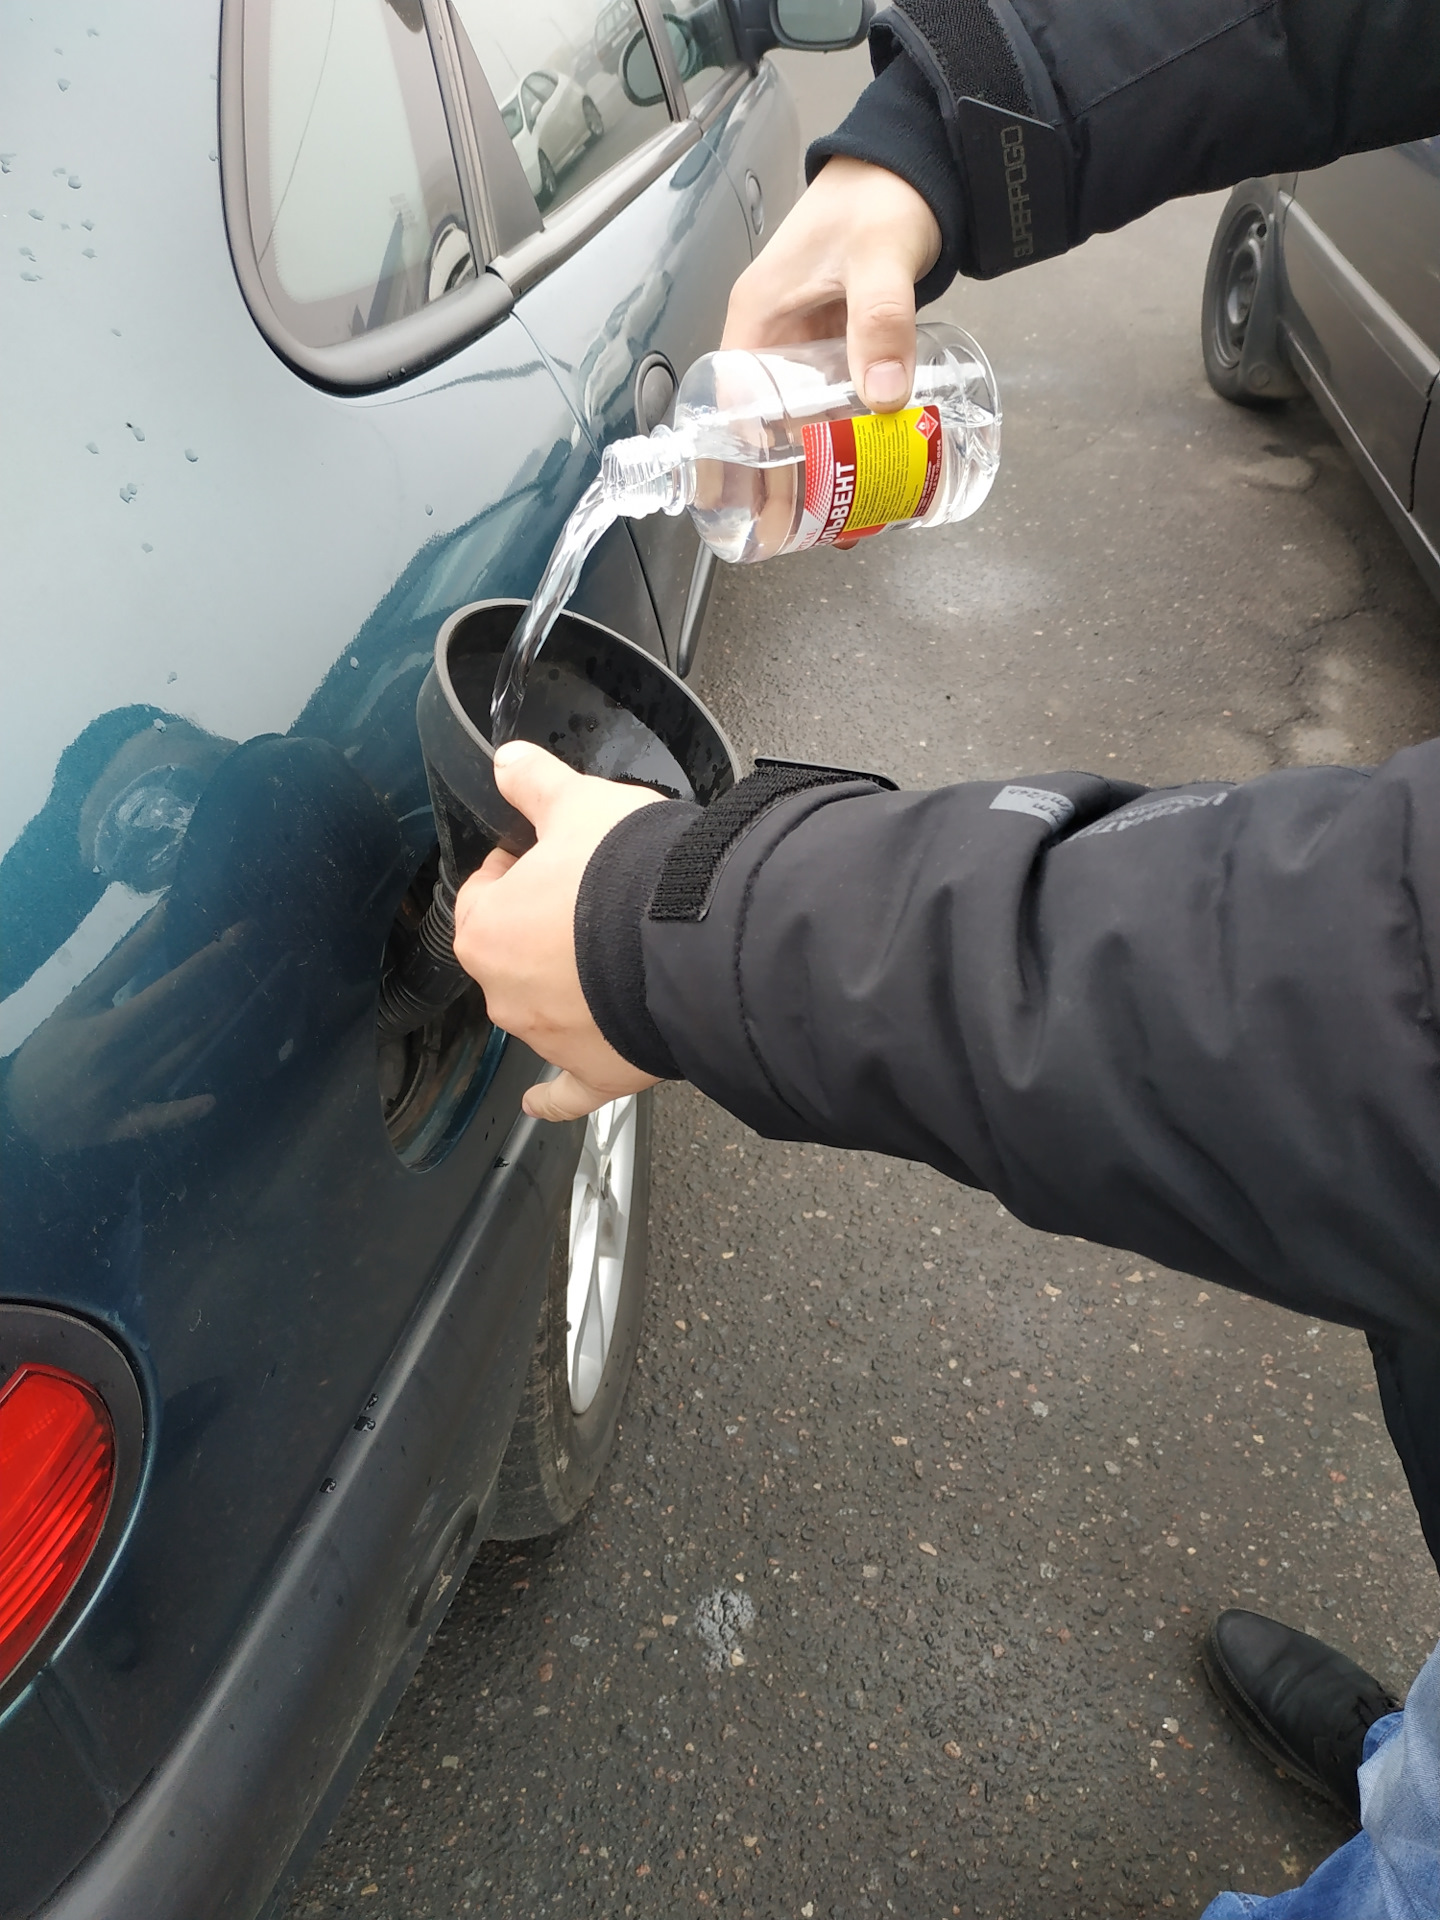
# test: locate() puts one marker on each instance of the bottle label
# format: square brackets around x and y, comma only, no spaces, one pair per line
[866,473]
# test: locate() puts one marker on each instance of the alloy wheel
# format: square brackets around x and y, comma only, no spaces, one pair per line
[600,1214]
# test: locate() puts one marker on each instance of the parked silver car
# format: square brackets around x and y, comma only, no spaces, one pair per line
[1330,281]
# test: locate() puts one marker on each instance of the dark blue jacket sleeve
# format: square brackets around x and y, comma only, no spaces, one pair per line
[1199,1023]
[1030,125]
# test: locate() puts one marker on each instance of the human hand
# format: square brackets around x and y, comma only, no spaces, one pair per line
[844,260]
[515,929]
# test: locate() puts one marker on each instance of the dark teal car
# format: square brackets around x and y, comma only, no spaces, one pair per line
[295,1310]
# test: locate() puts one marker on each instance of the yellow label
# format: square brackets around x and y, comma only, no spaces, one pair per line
[892,463]
[867,471]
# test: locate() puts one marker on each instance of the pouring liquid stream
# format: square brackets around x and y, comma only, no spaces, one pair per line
[593,514]
[773,453]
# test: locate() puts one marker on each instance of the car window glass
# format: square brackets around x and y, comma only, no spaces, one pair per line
[704,43]
[555,71]
[355,206]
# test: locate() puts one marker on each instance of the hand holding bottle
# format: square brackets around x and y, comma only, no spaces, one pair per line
[845,260]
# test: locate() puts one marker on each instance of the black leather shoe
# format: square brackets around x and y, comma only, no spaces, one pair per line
[1305,1706]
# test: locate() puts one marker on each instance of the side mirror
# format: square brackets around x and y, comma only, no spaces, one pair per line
[814,26]
[823,24]
[640,76]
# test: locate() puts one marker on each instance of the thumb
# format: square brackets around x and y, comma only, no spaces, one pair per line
[532,780]
[880,334]
[564,1098]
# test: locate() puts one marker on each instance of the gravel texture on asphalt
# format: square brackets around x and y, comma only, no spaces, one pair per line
[889,1601]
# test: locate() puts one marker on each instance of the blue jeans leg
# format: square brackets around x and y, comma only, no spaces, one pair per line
[1391,1869]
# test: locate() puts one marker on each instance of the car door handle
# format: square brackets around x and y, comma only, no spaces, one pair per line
[654,391]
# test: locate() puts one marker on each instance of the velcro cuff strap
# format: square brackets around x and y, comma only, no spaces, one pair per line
[687,879]
[968,47]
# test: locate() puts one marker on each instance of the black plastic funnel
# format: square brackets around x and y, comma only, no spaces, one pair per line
[596,700]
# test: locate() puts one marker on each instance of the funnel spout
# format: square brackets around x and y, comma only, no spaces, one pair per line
[430,978]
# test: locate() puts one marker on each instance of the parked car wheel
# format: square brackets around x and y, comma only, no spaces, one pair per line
[594,124]
[589,1329]
[1234,279]
[547,180]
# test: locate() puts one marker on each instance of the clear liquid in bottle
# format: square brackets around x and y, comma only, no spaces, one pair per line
[775,452]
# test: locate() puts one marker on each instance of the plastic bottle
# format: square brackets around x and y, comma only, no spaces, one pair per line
[772,452]
[775,452]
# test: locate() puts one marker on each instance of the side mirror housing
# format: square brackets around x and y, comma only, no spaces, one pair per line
[809,26]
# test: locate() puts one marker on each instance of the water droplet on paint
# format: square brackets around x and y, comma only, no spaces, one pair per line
[64,85]
[171,678]
[353,661]
[128,492]
[90,447]
[139,432]
[145,547]
[159,725]
[29,276]
[89,252]
[88,225]
[73,181]
[36,214]
[28,253]
[191,455]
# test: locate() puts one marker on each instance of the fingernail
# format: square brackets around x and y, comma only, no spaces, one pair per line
[511,751]
[886,381]
[527,1105]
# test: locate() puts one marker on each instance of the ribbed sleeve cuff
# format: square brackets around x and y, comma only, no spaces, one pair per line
[609,910]
[897,124]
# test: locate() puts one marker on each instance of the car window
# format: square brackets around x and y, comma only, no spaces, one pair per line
[556,73]
[355,205]
[704,43]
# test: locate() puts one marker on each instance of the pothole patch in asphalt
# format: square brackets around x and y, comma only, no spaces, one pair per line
[720,1619]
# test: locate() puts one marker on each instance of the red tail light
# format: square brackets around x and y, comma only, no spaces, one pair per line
[57,1473]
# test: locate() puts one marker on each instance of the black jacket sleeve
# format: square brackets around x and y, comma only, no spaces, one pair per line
[1030,124]
[1197,1023]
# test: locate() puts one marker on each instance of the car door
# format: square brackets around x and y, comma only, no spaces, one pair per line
[1361,250]
[230,542]
[619,321]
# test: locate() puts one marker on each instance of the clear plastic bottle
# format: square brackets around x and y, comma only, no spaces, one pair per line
[773,452]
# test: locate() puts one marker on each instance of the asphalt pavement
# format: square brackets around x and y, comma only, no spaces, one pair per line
[889,1601]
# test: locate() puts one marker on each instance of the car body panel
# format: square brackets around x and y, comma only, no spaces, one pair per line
[1382,211]
[1375,368]
[223,582]
[1356,301]
[645,305]
[216,1824]
[696,213]
[1427,483]
[296,573]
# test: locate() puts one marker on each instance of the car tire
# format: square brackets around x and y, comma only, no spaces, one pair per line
[547,180]
[594,124]
[1238,301]
[582,1359]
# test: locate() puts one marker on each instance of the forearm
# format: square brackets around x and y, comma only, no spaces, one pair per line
[1124,105]
[1201,1030]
